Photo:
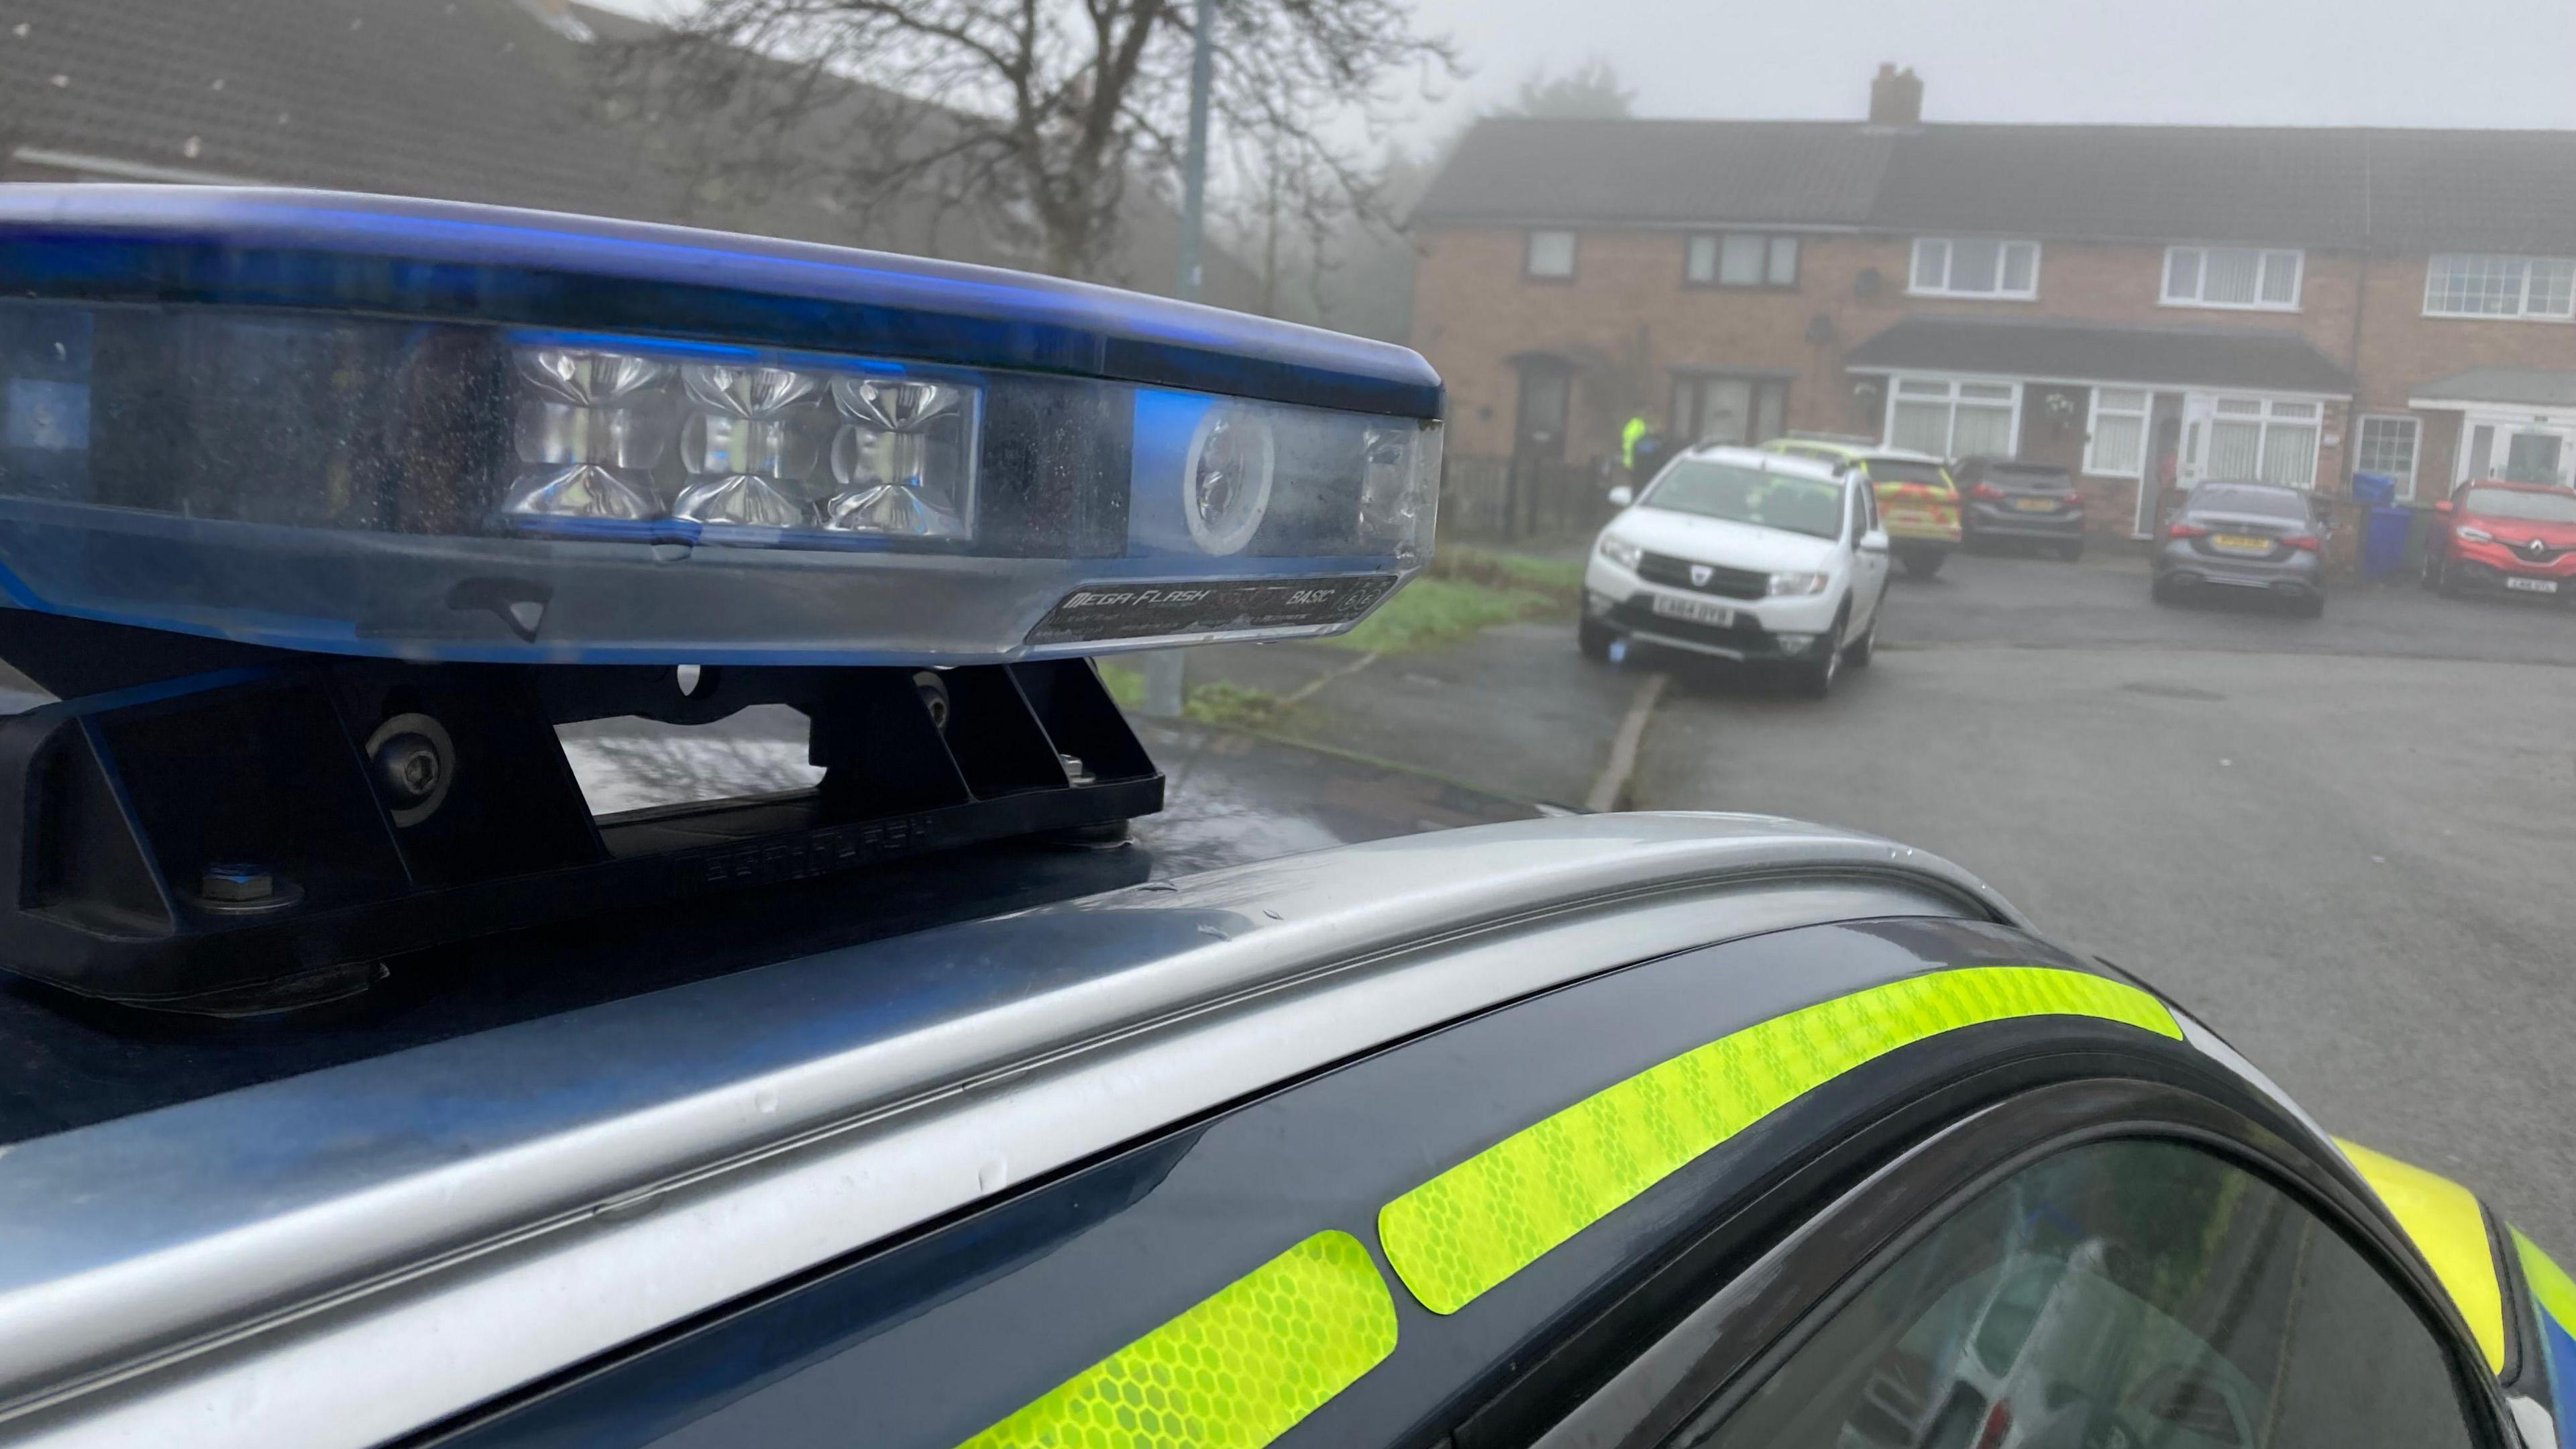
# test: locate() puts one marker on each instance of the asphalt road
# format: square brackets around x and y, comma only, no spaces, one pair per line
[2350,844]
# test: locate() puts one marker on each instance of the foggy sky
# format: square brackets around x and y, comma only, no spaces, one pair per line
[2502,63]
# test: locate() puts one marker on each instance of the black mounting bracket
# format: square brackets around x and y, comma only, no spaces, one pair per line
[216,828]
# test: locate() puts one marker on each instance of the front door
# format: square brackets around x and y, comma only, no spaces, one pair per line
[2163,464]
[2524,451]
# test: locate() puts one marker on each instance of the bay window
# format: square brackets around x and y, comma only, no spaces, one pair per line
[2459,284]
[1953,419]
[1974,267]
[2246,277]
[2117,433]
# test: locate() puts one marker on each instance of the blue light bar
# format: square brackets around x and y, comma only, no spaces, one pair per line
[344,251]
[429,430]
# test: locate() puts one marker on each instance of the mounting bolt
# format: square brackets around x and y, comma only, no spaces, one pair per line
[236,883]
[409,768]
[414,762]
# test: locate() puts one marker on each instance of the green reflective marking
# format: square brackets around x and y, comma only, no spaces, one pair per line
[2550,1284]
[1235,1371]
[1492,1215]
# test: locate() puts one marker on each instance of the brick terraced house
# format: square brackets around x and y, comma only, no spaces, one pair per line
[2146,305]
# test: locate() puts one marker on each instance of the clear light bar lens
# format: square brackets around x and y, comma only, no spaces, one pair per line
[462,490]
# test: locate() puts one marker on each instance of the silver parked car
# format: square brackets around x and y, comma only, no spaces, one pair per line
[2247,538]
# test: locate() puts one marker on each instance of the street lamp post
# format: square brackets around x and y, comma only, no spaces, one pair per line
[1166,670]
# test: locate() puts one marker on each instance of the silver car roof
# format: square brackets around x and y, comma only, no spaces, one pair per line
[485,1210]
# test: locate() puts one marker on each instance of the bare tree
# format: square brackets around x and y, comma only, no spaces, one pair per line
[1039,114]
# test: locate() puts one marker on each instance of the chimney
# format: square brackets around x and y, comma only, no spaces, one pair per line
[1895,97]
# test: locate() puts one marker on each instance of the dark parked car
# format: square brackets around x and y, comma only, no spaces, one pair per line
[2003,501]
[2247,538]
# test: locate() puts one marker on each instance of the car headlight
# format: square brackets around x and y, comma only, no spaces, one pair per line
[1620,551]
[1800,583]
[426,430]
[2475,535]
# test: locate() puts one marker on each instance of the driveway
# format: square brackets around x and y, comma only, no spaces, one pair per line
[2102,603]
[2348,842]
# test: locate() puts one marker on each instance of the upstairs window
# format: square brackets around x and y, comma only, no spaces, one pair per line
[1975,267]
[1741,259]
[2461,284]
[2248,277]
[1550,256]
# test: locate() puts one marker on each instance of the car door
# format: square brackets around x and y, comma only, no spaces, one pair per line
[1868,544]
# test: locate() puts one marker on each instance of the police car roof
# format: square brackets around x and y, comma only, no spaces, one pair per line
[1856,451]
[1786,464]
[652,1157]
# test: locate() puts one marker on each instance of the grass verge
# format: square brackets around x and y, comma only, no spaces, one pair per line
[1463,591]
[1218,702]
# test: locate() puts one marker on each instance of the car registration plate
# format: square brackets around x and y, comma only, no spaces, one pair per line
[1697,611]
[2241,542]
[2036,505]
[2537,586]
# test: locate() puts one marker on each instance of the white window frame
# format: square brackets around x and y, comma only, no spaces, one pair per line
[1776,246]
[2092,429]
[1529,253]
[1951,388]
[2414,446]
[2522,308]
[2264,258]
[1914,269]
[2265,413]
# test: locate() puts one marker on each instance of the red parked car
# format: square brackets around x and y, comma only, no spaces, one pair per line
[2492,534]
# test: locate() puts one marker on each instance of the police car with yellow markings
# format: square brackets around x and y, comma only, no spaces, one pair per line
[367,1089]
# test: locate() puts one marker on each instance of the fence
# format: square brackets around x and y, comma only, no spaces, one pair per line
[1502,499]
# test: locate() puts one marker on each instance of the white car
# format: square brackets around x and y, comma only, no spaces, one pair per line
[1744,555]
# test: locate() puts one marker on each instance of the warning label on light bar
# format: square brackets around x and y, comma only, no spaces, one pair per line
[1150,611]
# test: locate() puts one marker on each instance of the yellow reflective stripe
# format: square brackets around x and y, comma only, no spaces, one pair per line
[2450,1231]
[1495,1213]
[1235,1371]
[2550,1285]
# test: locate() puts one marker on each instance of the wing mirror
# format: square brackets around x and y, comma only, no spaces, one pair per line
[2443,507]
[1874,541]
[1622,496]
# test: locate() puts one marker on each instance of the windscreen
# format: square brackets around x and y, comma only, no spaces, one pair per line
[1812,506]
[2514,503]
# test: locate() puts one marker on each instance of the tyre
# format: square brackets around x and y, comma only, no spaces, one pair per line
[2162,591]
[1816,678]
[1922,563]
[2431,573]
[2445,582]
[1593,639]
[2071,552]
[2312,607]
[1860,651]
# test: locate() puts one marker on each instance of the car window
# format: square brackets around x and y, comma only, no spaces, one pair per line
[1731,491]
[2025,476]
[2128,1293]
[2242,498]
[1905,470]
[2514,503]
